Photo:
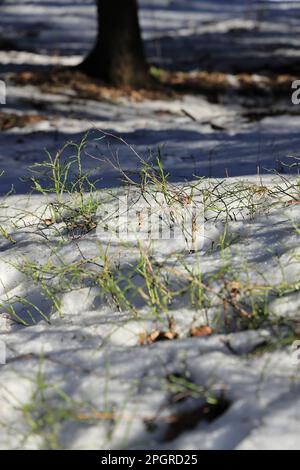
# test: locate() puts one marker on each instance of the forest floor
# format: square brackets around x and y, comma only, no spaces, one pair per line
[181,343]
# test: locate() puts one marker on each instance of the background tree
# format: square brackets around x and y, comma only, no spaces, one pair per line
[118,56]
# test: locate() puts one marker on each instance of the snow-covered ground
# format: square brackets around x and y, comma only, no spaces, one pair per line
[84,380]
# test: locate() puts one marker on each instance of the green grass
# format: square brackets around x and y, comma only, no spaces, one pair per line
[160,286]
[135,280]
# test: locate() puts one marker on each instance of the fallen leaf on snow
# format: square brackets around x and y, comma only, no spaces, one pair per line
[155,336]
[200,331]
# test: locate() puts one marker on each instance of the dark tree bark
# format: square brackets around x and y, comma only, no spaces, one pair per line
[118,55]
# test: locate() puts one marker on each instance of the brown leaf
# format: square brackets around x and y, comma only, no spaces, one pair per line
[234,288]
[11,120]
[142,338]
[293,201]
[201,331]
[155,336]
[48,222]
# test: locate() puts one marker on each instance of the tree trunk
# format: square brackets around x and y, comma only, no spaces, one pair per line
[118,56]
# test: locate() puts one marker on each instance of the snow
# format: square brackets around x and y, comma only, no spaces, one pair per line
[89,350]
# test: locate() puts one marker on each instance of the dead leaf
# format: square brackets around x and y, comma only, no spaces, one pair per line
[201,331]
[48,222]
[234,288]
[293,201]
[11,120]
[155,336]
[61,78]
